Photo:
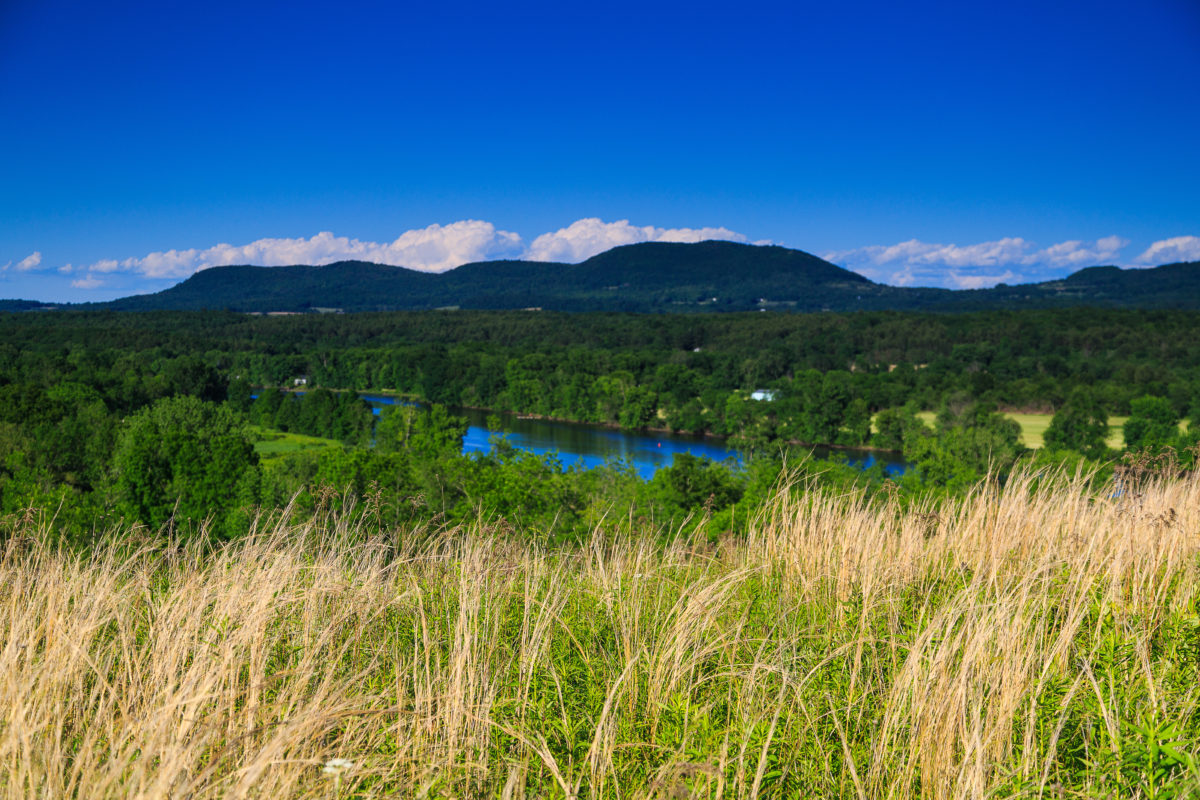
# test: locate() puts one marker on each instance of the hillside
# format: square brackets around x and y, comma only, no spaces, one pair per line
[1166,286]
[648,277]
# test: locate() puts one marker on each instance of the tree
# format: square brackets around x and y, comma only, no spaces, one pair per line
[1081,424]
[857,423]
[691,482]
[748,430]
[68,428]
[688,417]
[966,445]
[894,425]
[317,413]
[640,409]
[265,409]
[675,383]
[394,427]
[188,375]
[815,407]
[430,434]
[1153,424]
[287,416]
[352,419]
[613,394]
[240,395]
[185,458]
[829,411]
[437,433]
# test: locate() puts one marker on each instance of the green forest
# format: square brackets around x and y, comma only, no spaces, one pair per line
[152,417]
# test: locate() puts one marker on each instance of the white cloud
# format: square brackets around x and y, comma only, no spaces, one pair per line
[979,281]
[1170,251]
[585,238]
[26,264]
[432,249]
[1077,254]
[1007,260]
[29,262]
[90,282]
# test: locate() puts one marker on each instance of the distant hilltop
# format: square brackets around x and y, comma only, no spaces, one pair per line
[649,277]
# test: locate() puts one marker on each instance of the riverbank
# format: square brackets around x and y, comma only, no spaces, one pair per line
[613,426]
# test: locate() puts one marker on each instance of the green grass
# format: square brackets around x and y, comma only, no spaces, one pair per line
[273,444]
[1116,432]
[1033,427]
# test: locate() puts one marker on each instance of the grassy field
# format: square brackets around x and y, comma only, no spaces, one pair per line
[1033,642]
[272,444]
[1033,427]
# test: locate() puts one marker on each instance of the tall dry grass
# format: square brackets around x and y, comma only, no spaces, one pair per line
[1030,641]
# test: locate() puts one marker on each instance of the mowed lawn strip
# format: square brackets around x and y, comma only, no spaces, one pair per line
[272,444]
[1033,427]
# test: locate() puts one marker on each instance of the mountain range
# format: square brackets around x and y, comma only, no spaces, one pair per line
[647,277]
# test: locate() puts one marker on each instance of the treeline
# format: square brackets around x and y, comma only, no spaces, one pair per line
[827,373]
[519,360]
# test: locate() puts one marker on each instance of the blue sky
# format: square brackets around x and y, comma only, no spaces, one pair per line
[923,143]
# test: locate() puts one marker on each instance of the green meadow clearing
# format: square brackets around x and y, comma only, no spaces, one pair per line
[273,444]
[1033,428]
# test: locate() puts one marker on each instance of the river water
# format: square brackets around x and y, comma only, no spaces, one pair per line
[581,444]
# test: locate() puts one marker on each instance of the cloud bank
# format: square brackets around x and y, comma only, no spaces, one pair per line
[433,249]
[974,266]
[437,248]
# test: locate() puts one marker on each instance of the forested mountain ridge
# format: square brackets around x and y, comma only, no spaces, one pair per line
[647,277]
[707,276]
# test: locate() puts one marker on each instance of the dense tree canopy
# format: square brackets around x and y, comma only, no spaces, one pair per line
[183,457]
[144,415]
[1081,424]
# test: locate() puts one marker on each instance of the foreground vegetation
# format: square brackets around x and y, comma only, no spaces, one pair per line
[1040,639]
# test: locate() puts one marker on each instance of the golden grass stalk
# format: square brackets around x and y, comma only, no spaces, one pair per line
[1005,643]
